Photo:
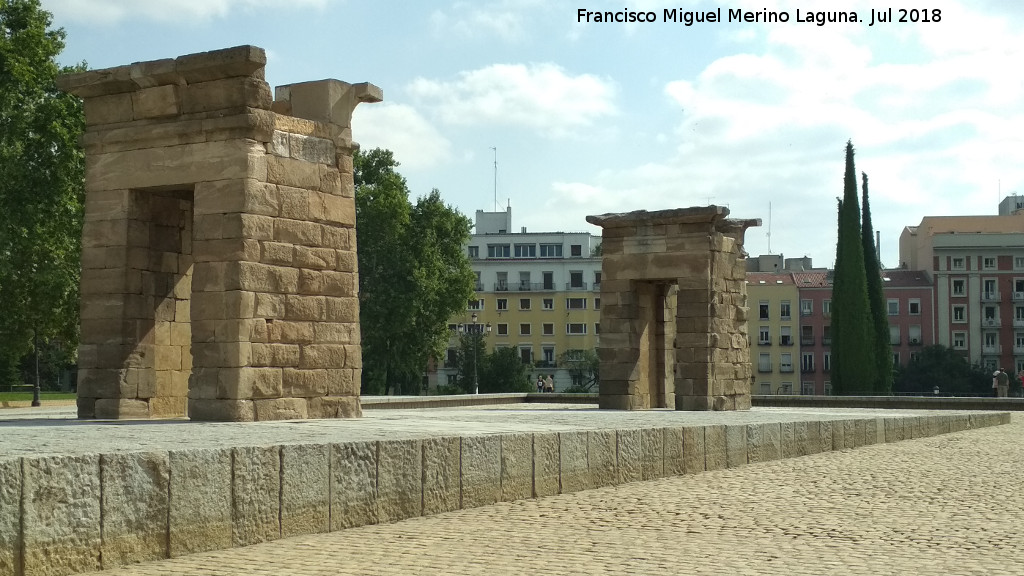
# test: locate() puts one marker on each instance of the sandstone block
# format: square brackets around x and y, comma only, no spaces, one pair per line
[481,470]
[673,445]
[601,458]
[764,442]
[305,489]
[894,429]
[736,446]
[324,356]
[175,165]
[250,383]
[292,172]
[399,480]
[516,467]
[220,410]
[121,409]
[135,507]
[304,383]
[546,464]
[630,456]
[226,93]
[281,409]
[573,466]
[200,501]
[311,149]
[838,435]
[256,487]
[155,102]
[108,109]
[335,407]
[280,355]
[10,517]
[824,436]
[354,485]
[441,475]
[652,448]
[297,232]
[694,450]
[714,447]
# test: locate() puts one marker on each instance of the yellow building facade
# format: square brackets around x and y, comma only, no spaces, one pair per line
[773,322]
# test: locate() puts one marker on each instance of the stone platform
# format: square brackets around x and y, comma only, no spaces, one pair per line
[86,495]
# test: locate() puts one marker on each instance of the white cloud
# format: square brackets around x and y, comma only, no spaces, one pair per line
[542,97]
[508,20]
[110,12]
[400,128]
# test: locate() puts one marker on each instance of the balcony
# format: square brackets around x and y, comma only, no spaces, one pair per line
[807,369]
[501,286]
[479,286]
[764,368]
[826,341]
[991,322]
[1018,322]
[785,367]
[764,342]
[807,340]
[544,364]
[576,286]
[990,296]
[596,287]
[992,350]
[805,311]
[785,341]
[1018,349]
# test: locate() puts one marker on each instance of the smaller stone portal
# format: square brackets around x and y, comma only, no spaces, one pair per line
[674,310]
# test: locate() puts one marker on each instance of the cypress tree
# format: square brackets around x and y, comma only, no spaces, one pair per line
[854,367]
[876,298]
[834,323]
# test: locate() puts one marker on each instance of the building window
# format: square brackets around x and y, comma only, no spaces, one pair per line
[826,335]
[763,310]
[764,335]
[474,252]
[1018,315]
[453,379]
[786,387]
[597,327]
[548,355]
[526,250]
[786,336]
[766,387]
[476,304]
[807,388]
[548,304]
[524,281]
[547,329]
[826,362]
[960,340]
[959,313]
[1018,262]
[893,306]
[576,329]
[524,329]
[451,358]
[526,354]
[1018,342]
[807,362]
[988,263]
[786,362]
[597,279]
[991,339]
[576,303]
[502,329]
[895,358]
[784,310]
[502,304]
[914,306]
[914,334]
[550,250]
[597,303]
[499,250]
[988,289]
[806,307]
[894,335]
[826,308]
[576,250]
[958,263]
[524,303]
[807,335]
[502,282]
[828,388]
[991,315]
[764,363]
[576,280]
[959,287]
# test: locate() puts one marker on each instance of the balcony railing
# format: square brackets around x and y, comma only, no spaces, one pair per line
[479,286]
[990,296]
[1018,349]
[785,367]
[764,368]
[501,286]
[807,340]
[996,349]
[991,322]
[785,341]
[1018,322]
[807,369]
[764,341]
[827,340]
[806,311]
[576,286]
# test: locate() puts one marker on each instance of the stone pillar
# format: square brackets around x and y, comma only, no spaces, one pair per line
[219,269]
[673,317]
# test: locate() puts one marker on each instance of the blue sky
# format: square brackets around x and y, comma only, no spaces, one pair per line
[612,117]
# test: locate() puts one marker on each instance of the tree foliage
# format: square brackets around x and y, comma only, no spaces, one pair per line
[501,370]
[854,369]
[413,274]
[943,367]
[584,368]
[876,300]
[41,189]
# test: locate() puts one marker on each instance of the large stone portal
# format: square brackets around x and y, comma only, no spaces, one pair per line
[674,310]
[219,271]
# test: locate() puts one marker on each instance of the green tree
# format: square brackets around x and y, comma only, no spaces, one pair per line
[470,360]
[584,369]
[943,367]
[876,299]
[854,367]
[503,371]
[413,274]
[41,190]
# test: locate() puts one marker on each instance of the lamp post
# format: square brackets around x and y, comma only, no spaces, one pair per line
[475,334]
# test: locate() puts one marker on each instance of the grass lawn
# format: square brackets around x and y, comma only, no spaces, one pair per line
[27,396]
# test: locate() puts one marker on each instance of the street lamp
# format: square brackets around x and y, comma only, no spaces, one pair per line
[475,332]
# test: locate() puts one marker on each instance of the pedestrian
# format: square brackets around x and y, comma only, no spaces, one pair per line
[540,383]
[549,384]
[1002,384]
[995,383]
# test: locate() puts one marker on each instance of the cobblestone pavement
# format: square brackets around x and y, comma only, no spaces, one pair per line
[950,504]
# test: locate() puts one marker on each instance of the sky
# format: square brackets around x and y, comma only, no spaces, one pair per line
[594,117]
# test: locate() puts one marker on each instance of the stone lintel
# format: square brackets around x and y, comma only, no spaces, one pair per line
[692,215]
[732,226]
[330,101]
[239,61]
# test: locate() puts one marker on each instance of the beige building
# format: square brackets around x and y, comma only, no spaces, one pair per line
[773,299]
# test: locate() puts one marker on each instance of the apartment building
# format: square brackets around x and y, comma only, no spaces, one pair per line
[540,292]
[772,321]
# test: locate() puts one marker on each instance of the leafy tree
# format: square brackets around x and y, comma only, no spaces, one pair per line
[470,361]
[876,300]
[41,190]
[584,368]
[853,349]
[943,367]
[504,371]
[413,274]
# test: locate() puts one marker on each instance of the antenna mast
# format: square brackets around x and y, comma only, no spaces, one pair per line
[495,148]
[769,227]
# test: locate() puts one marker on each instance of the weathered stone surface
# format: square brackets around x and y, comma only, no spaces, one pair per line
[354,485]
[714,447]
[601,458]
[673,442]
[824,436]
[61,514]
[516,467]
[763,442]
[305,489]
[10,517]
[838,435]
[256,489]
[200,504]
[652,448]
[547,464]
[572,455]
[399,479]
[441,469]
[694,450]
[735,446]
[893,429]
[630,455]
[481,470]
[136,490]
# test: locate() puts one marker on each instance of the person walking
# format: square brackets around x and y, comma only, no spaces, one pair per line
[1002,384]
[540,383]
[549,384]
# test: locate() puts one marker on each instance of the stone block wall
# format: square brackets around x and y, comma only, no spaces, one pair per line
[219,256]
[674,310]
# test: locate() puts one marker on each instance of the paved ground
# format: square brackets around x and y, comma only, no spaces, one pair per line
[951,504]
